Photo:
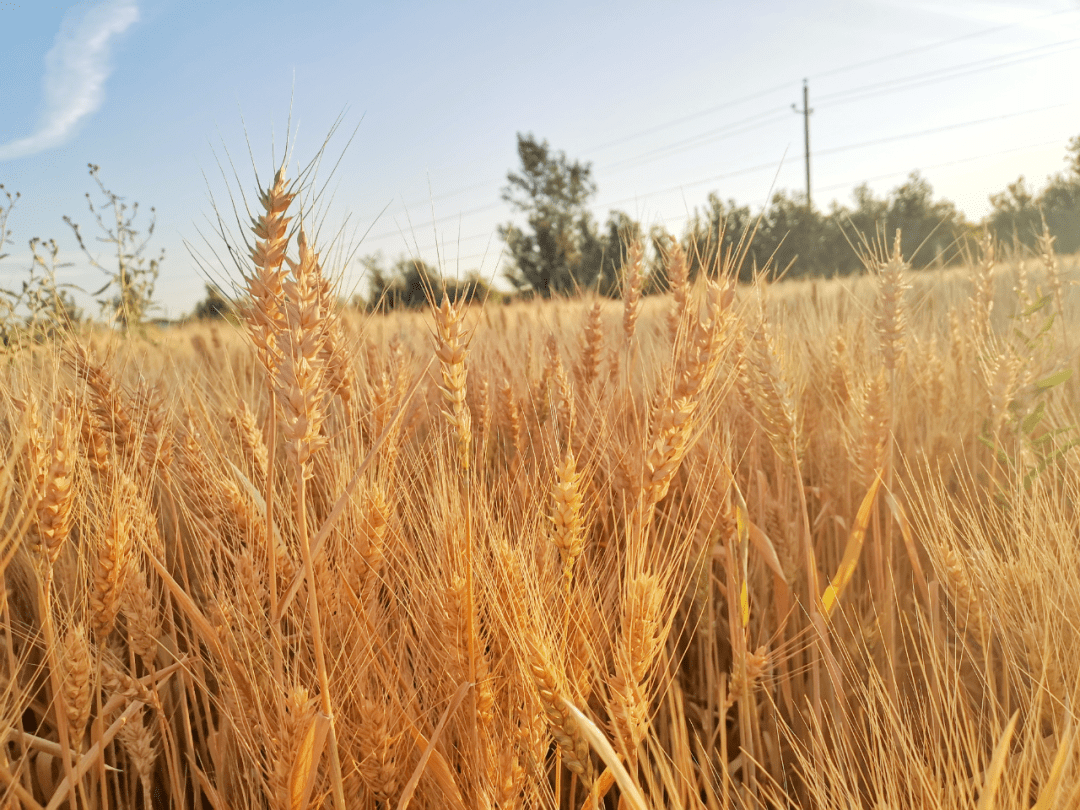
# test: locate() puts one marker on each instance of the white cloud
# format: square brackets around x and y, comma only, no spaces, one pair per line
[76,68]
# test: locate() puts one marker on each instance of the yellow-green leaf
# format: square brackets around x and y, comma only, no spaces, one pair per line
[742,525]
[1048,796]
[744,604]
[992,777]
[853,550]
[1054,379]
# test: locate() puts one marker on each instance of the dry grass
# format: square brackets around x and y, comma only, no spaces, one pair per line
[811,546]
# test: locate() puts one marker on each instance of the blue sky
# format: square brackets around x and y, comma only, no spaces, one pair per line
[668,101]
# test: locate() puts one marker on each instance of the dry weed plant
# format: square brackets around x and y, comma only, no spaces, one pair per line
[729,548]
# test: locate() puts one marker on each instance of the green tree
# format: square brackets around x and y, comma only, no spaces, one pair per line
[215,306]
[1059,205]
[411,283]
[1014,216]
[716,234]
[1072,156]
[859,226]
[603,254]
[794,239]
[931,230]
[1059,202]
[551,191]
[1018,213]
[131,273]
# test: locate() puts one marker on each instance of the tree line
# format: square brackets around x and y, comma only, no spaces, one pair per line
[561,250]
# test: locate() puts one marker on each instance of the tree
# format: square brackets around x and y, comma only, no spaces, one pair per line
[214,307]
[1015,215]
[132,278]
[551,192]
[931,231]
[1072,156]
[603,254]
[1059,202]
[794,239]
[859,226]
[1019,214]
[715,235]
[411,283]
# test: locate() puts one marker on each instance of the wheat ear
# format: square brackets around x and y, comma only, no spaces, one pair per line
[252,442]
[1047,255]
[678,281]
[984,284]
[77,666]
[592,346]
[562,724]
[112,563]
[566,517]
[639,644]
[891,318]
[140,608]
[52,467]
[138,742]
[633,281]
[265,318]
[696,366]
[379,765]
[451,347]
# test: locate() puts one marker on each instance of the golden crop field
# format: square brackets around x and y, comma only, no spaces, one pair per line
[806,545]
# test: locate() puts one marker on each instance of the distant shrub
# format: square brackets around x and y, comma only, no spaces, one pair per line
[414,284]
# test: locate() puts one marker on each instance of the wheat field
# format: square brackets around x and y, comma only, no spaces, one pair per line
[801,545]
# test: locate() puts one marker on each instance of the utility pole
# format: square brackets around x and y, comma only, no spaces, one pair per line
[805,112]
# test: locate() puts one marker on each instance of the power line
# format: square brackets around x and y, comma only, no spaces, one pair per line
[952,72]
[704,139]
[940,44]
[837,97]
[731,129]
[834,150]
[748,170]
[727,131]
[862,91]
[767,118]
[693,116]
[842,69]
[970,159]
[935,130]
[471,238]
[858,93]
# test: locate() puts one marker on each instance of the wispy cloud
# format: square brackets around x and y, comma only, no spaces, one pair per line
[76,68]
